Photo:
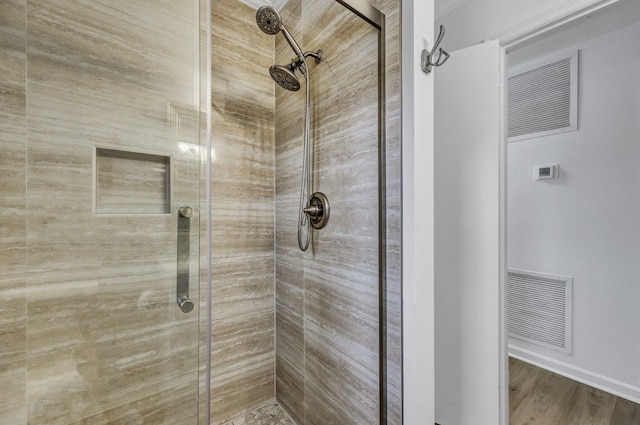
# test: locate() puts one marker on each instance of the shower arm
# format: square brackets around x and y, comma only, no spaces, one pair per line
[296,63]
[318,56]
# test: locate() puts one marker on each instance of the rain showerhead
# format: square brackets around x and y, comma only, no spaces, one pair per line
[285,77]
[269,20]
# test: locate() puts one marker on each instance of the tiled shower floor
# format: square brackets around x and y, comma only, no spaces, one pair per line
[270,414]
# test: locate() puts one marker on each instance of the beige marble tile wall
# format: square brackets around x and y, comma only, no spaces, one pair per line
[234,393]
[243,190]
[13,256]
[327,299]
[105,341]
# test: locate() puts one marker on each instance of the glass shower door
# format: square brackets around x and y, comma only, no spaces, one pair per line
[107,153]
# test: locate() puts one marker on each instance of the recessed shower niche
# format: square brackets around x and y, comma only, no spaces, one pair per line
[131,182]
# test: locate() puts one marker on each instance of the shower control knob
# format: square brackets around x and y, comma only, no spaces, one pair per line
[314,211]
[186,305]
[318,210]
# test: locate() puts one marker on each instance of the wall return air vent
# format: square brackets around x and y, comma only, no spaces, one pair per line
[543,97]
[539,309]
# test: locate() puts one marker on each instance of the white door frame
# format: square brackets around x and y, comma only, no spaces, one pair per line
[418,352]
[567,11]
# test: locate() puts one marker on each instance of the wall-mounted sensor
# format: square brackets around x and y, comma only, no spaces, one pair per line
[549,171]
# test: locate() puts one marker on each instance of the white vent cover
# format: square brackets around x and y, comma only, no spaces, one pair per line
[543,97]
[539,309]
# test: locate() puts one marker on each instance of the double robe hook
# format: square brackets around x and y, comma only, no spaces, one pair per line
[436,57]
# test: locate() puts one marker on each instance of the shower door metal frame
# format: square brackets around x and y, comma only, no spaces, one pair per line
[366,11]
[376,18]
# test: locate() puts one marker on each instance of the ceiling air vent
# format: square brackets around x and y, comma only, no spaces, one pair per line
[539,309]
[543,97]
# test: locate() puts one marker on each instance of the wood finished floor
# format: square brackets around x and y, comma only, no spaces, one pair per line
[540,397]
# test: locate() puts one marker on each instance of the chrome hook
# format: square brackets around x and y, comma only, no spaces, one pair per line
[429,59]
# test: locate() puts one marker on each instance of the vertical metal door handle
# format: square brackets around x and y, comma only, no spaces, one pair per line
[183,248]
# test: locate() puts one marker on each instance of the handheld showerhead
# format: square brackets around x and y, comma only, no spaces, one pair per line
[270,22]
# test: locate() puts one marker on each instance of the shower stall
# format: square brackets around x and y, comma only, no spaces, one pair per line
[161,256]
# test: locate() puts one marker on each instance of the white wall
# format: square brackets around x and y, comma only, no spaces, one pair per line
[586,224]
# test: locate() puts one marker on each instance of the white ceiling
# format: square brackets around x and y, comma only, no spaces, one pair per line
[442,6]
[445,6]
[278,4]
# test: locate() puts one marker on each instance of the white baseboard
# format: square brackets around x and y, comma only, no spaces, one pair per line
[615,387]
